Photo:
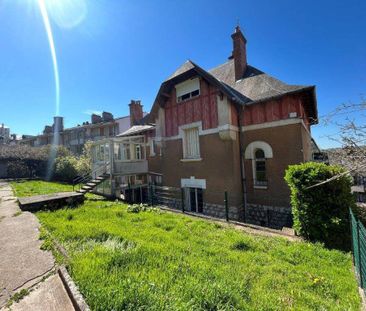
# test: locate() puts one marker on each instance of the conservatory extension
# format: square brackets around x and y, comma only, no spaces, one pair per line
[123,159]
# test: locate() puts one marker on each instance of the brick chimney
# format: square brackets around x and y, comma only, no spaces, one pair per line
[107,116]
[136,113]
[96,119]
[239,53]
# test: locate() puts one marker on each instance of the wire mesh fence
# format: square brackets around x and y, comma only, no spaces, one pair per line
[358,234]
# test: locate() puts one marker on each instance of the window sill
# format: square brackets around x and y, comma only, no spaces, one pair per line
[128,161]
[191,160]
[260,187]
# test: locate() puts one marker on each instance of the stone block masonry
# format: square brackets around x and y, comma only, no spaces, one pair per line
[218,211]
[268,216]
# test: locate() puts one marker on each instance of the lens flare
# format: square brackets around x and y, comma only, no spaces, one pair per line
[47,25]
[67,13]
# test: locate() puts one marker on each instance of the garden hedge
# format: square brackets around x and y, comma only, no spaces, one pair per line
[321,213]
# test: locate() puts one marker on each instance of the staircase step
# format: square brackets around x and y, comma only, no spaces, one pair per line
[91,184]
[81,191]
[86,188]
[96,181]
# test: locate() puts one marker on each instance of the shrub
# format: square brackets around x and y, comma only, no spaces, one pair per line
[321,213]
[66,168]
[18,169]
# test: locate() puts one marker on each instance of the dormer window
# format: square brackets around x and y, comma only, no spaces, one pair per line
[188,89]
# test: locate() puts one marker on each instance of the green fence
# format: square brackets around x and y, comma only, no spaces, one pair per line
[358,233]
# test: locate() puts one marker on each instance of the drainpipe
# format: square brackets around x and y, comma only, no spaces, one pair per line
[240,110]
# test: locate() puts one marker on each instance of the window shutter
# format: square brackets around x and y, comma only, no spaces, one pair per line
[191,143]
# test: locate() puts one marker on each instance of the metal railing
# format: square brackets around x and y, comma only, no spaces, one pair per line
[97,172]
[358,235]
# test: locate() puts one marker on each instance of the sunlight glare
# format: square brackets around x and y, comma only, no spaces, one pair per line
[67,13]
[48,28]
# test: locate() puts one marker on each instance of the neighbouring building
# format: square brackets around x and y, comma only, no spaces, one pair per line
[4,134]
[233,128]
[74,138]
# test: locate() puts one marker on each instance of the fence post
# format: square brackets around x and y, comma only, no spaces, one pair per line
[352,246]
[152,195]
[359,254]
[182,198]
[149,193]
[226,207]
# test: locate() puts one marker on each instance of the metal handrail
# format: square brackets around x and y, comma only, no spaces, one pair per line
[86,177]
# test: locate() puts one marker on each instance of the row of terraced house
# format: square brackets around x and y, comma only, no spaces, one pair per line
[233,128]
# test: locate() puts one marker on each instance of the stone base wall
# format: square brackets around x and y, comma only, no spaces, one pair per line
[268,216]
[169,202]
[216,210]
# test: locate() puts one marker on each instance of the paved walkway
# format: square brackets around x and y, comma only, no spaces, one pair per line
[22,263]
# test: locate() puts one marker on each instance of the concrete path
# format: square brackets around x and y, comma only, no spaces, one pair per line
[48,295]
[22,263]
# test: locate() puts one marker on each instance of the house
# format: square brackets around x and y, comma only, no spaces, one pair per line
[74,138]
[233,128]
[4,134]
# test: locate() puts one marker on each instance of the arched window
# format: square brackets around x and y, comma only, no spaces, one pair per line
[260,168]
[259,152]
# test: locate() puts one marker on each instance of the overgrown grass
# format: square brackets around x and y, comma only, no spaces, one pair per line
[38,187]
[155,260]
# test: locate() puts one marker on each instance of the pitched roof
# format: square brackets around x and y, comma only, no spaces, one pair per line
[136,129]
[255,84]
[188,65]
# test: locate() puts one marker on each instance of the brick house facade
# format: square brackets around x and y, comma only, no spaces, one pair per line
[233,128]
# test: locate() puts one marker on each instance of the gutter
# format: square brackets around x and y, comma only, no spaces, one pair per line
[240,110]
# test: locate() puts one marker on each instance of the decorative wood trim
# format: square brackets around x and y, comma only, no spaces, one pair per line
[271,124]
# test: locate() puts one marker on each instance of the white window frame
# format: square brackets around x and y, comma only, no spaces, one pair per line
[250,155]
[255,161]
[187,88]
[186,155]
[152,148]
[138,152]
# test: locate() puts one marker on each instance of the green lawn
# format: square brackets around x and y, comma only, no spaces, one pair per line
[156,260]
[36,187]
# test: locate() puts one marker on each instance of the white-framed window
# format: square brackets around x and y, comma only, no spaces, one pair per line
[138,152]
[152,147]
[123,152]
[191,146]
[259,152]
[260,168]
[188,89]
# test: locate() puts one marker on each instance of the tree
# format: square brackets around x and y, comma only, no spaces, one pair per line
[350,121]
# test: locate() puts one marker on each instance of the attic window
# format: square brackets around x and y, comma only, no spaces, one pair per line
[188,89]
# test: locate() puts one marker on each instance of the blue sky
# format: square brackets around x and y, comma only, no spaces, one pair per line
[123,50]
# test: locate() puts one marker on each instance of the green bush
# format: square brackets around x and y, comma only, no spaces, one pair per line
[18,169]
[321,213]
[66,168]
[84,161]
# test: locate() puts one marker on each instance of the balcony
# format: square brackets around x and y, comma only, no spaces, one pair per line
[130,167]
